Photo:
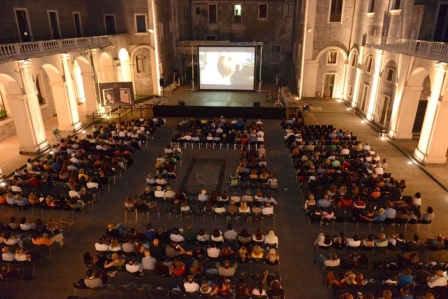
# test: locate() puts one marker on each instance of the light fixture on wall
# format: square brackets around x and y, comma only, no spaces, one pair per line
[151,30]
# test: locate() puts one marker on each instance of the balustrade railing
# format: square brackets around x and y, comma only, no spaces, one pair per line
[27,50]
[426,49]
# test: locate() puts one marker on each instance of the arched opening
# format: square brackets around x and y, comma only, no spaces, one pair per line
[414,97]
[85,86]
[141,63]
[421,108]
[54,91]
[28,124]
[126,75]
[106,68]
[331,72]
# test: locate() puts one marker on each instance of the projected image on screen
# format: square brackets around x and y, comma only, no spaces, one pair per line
[230,68]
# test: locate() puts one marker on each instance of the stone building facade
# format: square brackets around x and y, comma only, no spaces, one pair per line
[384,59]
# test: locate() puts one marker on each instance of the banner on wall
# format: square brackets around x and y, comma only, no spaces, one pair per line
[117,94]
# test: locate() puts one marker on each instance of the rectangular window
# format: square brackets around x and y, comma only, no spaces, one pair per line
[262,11]
[390,75]
[332,57]
[198,11]
[211,37]
[78,24]
[161,33]
[237,13]
[354,60]
[23,24]
[441,24]
[350,92]
[212,13]
[371,7]
[54,24]
[288,10]
[336,11]
[369,64]
[276,48]
[109,21]
[396,5]
[140,23]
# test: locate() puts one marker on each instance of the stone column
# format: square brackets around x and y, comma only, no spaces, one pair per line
[89,92]
[375,84]
[432,146]
[28,116]
[72,106]
[403,121]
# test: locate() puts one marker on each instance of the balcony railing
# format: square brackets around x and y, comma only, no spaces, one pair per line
[28,50]
[425,49]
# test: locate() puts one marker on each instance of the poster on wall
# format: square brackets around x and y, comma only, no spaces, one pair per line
[117,94]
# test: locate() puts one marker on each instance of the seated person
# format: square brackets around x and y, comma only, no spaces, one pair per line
[93,279]
[190,285]
[272,257]
[47,241]
[213,251]
[178,268]
[134,267]
[226,269]
[323,240]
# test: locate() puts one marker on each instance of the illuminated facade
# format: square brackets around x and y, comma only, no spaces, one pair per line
[386,59]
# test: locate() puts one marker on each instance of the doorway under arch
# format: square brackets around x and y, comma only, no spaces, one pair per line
[54,90]
[125,65]
[106,68]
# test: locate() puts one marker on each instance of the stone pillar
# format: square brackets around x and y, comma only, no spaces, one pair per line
[401,125]
[375,84]
[27,115]
[309,79]
[89,92]
[354,103]
[72,106]
[432,146]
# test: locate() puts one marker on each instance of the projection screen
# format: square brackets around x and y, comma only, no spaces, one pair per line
[226,68]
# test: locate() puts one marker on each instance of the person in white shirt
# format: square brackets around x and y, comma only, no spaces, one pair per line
[203,197]
[12,240]
[134,267]
[213,251]
[176,236]
[271,239]
[268,209]
[73,193]
[417,200]
[334,261]
[438,280]
[354,242]
[366,147]
[26,225]
[159,192]
[191,286]
[259,291]
[7,256]
[101,245]
[90,184]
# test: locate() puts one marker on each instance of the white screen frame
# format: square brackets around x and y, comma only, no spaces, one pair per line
[243,79]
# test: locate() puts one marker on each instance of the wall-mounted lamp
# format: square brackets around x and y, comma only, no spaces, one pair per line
[151,30]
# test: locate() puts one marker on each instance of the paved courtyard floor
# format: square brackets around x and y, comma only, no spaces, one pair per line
[300,277]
